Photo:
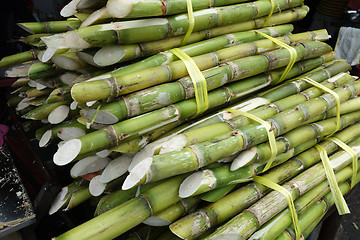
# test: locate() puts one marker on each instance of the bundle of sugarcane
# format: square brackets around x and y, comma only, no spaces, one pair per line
[131,129]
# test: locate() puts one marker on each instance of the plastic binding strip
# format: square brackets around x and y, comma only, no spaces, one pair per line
[289,198]
[198,80]
[191,23]
[270,14]
[334,187]
[292,52]
[336,96]
[353,155]
[270,134]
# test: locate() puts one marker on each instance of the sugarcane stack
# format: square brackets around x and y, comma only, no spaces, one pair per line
[176,157]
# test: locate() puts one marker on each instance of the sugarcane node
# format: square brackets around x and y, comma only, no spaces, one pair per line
[112,135]
[306,95]
[276,107]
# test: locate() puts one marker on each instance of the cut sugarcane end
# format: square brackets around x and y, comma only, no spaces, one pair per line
[68,133]
[157,222]
[69,9]
[146,152]
[67,152]
[18,71]
[45,138]
[73,105]
[104,153]
[59,114]
[48,54]
[40,87]
[96,188]
[88,165]
[56,41]
[137,173]
[73,40]
[101,117]
[59,201]
[87,58]
[66,63]
[115,169]
[23,104]
[227,236]
[190,185]
[68,77]
[120,8]
[175,143]
[100,14]
[109,55]
[246,157]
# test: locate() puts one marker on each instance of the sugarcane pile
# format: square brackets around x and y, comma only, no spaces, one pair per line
[190,158]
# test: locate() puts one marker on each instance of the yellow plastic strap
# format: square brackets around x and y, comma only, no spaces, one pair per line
[287,195]
[271,13]
[191,22]
[270,134]
[353,155]
[292,51]
[198,80]
[336,96]
[334,187]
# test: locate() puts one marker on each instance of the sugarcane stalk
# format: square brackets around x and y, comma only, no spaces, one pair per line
[50,27]
[312,204]
[198,155]
[216,213]
[43,111]
[19,58]
[140,9]
[274,202]
[59,94]
[84,92]
[218,193]
[209,179]
[40,70]
[115,222]
[35,40]
[159,28]
[160,117]
[174,212]
[109,55]
[20,82]
[273,107]
[33,92]
[156,60]
[161,95]
[69,61]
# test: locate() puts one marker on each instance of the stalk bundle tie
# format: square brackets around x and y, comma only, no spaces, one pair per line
[353,155]
[266,182]
[269,131]
[271,13]
[198,80]
[336,96]
[191,23]
[292,52]
[334,187]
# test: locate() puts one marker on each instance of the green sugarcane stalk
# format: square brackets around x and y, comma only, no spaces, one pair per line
[159,28]
[35,40]
[218,193]
[216,213]
[40,70]
[161,95]
[174,212]
[115,222]
[115,86]
[198,155]
[209,179]
[19,58]
[156,119]
[123,53]
[140,9]
[274,202]
[43,111]
[33,92]
[20,82]
[50,27]
[312,204]
[78,197]
[156,60]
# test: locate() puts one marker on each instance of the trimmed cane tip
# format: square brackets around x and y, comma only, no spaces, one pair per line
[243,159]
[137,174]
[191,184]
[67,152]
